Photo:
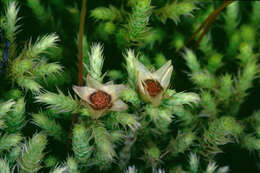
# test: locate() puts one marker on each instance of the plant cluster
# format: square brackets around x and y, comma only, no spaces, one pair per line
[152,105]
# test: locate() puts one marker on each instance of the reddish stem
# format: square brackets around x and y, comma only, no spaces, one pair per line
[80,55]
[81,33]
[80,45]
[210,19]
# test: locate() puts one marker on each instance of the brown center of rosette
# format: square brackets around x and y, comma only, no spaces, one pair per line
[100,100]
[153,87]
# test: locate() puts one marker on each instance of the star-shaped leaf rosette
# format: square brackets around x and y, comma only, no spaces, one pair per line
[152,85]
[159,102]
[96,100]
[100,98]
[97,97]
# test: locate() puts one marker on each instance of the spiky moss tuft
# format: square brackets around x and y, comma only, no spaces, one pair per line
[58,102]
[80,144]
[15,120]
[32,154]
[138,20]
[10,140]
[51,127]
[96,60]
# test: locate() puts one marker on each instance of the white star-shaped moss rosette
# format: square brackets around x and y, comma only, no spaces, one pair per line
[152,85]
[100,98]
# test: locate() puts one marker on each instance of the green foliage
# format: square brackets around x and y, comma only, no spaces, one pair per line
[131,169]
[80,143]
[59,170]
[209,103]
[46,69]
[182,143]
[4,166]
[132,115]
[41,45]
[158,114]
[231,17]
[39,10]
[16,118]
[139,19]
[130,67]
[49,126]
[175,10]
[204,79]
[105,152]
[193,163]
[182,99]
[50,161]
[192,61]
[96,60]
[211,167]
[10,21]
[72,165]
[5,107]
[222,131]
[255,13]
[115,74]
[13,93]
[14,154]
[225,90]
[25,68]
[103,13]
[251,143]
[124,119]
[58,102]
[32,153]
[29,84]
[9,141]
[245,80]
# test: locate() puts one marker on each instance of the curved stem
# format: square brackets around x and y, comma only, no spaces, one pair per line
[210,19]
